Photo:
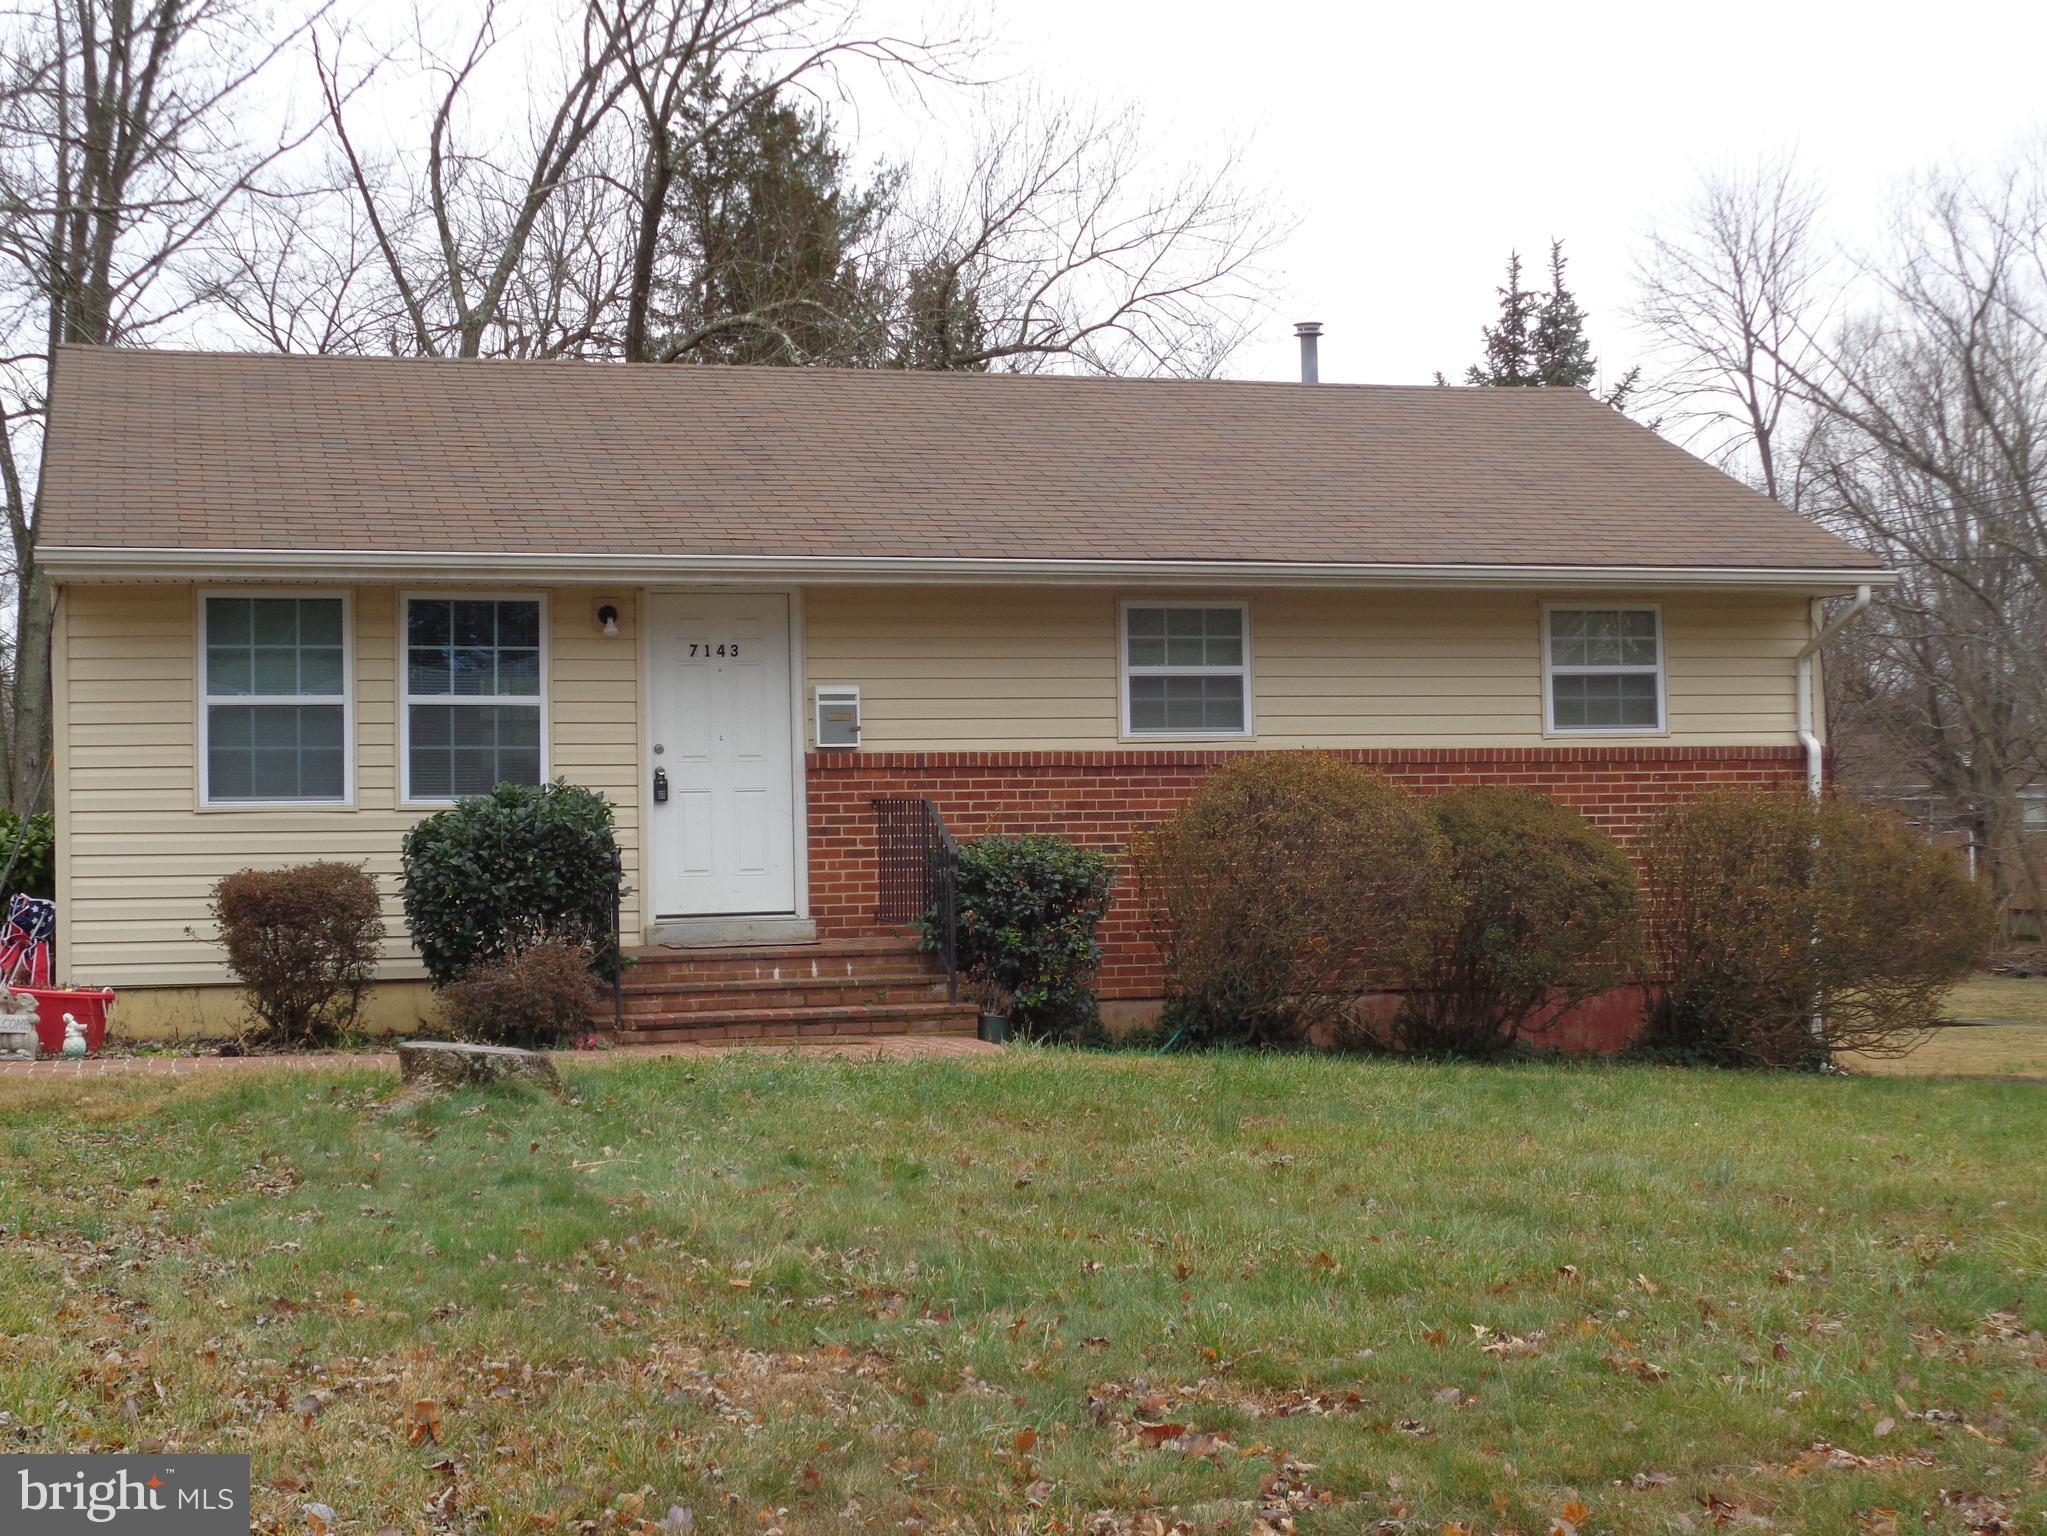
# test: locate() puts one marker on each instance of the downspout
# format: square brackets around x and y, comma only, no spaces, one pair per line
[1815,754]
[1808,735]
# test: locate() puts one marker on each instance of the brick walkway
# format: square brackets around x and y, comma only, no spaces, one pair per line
[892,1047]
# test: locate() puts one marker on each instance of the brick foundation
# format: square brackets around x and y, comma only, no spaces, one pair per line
[1100,798]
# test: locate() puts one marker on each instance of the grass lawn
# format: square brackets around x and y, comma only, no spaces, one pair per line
[1969,1050]
[2019,998]
[2017,1048]
[818,1296]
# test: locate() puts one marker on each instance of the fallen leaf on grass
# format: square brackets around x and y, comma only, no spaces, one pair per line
[423,1422]
[1635,1366]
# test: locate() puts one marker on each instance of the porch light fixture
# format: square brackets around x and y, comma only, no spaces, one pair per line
[607,621]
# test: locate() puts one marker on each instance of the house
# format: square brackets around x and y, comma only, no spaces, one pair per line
[302,602]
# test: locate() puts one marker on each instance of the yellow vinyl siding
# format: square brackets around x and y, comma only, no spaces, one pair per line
[141,855]
[938,669]
[1034,669]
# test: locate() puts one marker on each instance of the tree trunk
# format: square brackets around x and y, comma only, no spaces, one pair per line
[33,613]
[656,177]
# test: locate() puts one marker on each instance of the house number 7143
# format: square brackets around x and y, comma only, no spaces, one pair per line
[729,648]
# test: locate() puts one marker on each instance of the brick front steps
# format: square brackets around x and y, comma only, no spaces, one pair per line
[880,985]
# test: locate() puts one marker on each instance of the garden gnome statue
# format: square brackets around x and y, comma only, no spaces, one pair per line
[74,1036]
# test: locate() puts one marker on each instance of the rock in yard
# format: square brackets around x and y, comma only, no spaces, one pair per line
[448,1064]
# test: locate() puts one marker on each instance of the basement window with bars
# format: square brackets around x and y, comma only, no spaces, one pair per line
[475,695]
[274,700]
[1605,669]
[1186,669]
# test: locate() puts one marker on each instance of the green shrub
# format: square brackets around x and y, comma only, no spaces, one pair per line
[35,869]
[304,943]
[538,996]
[1766,909]
[1548,913]
[1284,887]
[1028,910]
[499,873]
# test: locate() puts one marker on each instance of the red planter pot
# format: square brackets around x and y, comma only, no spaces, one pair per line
[86,1006]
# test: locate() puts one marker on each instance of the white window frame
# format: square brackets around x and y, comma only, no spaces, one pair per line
[1124,671]
[407,698]
[1551,671]
[207,701]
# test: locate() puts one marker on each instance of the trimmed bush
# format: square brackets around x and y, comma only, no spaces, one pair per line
[500,873]
[35,869]
[1767,907]
[1028,910]
[1283,888]
[539,996]
[1548,915]
[304,943]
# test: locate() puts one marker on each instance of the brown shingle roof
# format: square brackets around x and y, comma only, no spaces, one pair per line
[160,450]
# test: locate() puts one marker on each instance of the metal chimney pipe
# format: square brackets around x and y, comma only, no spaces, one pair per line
[1308,330]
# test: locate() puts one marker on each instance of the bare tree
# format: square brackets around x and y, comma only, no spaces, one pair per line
[547,241]
[1902,400]
[1062,242]
[1929,445]
[297,270]
[1731,290]
[121,145]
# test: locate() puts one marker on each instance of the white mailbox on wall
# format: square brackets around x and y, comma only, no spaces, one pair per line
[838,715]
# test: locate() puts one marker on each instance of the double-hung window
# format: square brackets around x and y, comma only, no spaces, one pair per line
[274,700]
[1605,669]
[1186,669]
[475,691]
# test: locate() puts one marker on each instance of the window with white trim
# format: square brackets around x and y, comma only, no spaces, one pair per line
[273,700]
[1605,669]
[1186,669]
[475,685]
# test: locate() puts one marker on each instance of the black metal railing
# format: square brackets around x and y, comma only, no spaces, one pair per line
[617,943]
[919,876]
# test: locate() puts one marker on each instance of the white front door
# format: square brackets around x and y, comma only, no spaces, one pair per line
[724,842]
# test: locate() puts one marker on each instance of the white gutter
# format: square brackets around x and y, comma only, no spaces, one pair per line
[1815,753]
[82,563]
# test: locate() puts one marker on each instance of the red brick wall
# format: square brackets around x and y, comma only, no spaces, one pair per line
[1101,798]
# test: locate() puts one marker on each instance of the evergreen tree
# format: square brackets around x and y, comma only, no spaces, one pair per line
[1540,341]
[767,244]
[1562,355]
[940,320]
[1509,346]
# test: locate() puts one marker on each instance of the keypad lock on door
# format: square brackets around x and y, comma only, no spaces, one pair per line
[660,786]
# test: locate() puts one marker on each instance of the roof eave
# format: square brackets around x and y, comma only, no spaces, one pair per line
[87,563]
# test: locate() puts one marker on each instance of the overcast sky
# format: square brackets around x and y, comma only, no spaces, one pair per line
[1419,143]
